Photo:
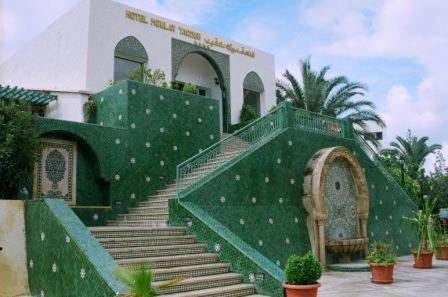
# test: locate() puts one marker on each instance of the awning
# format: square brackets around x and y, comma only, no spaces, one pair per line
[33,97]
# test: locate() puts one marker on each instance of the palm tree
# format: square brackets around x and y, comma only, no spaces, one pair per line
[332,97]
[413,151]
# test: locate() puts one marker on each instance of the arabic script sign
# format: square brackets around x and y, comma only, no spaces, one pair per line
[198,39]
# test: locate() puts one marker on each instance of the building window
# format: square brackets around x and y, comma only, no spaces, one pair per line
[129,55]
[123,67]
[252,98]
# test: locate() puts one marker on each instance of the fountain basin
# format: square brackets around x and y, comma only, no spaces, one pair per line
[342,248]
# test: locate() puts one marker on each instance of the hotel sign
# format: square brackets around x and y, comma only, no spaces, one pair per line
[196,36]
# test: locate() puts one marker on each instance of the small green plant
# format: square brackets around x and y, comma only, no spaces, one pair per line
[139,281]
[440,239]
[147,76]
[90,106]
[18,146]
[380,253]
[248,113]
[190,88]
[305,270]
[423,223]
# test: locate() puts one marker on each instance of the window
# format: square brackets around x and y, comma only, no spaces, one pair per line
[252,98]
[129,55]
[123,67]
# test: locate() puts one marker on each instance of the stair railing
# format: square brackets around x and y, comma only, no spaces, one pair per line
[190,172]
[317,123]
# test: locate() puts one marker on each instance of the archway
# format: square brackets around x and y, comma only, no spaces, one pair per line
[253,90]
[200,69]
[129,55]
[336,198]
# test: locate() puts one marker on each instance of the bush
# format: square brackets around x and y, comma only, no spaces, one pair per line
[247,113]
[147,76]
[18,146]
[190,88]
[379,253]
[304,270]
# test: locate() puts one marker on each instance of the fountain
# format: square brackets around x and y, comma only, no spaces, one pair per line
[336,199]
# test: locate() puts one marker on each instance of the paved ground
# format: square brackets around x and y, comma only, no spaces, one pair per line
[408,282]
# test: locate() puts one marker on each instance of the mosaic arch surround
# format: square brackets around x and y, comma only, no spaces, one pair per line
[220,63]
[331,171]
[132,49]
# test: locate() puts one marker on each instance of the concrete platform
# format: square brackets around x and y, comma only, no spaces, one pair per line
[408,282]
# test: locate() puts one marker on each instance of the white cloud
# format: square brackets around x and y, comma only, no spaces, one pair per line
[396,29]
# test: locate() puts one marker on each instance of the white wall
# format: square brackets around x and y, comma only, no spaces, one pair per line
[13,270]
[76,53]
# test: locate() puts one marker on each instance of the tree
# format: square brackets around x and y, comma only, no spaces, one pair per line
[332,97]
[149,77]
[438,181]
[413,151]
[18,146]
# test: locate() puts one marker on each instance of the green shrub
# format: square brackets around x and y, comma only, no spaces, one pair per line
[190,88]
[248,113]
[18,146]
[380,253]
[304,270]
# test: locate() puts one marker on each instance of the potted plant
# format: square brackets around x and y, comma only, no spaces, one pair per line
[302,274]
[441,246]
[381,261]
[424,224]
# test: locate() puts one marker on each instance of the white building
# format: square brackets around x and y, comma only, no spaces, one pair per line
[100,41]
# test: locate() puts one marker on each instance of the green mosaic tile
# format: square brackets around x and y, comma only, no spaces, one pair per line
[243,258]
[63,258]
[259,197]
[141,134]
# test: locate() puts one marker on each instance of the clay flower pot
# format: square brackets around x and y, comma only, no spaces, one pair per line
[301,290]
[424,261]
[382,273]
[442,253]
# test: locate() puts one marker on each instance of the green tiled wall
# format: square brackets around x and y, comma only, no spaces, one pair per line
[63,258]
[259,197]
[141,133]
[242,258]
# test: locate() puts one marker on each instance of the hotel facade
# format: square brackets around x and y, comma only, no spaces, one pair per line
[100,42]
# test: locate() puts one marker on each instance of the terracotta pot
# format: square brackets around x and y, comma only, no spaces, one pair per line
[301,290]
[442,253]
[382,273]
[424,261]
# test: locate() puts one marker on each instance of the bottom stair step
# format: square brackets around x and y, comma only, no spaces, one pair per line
[190,271]
[202,282]
[240,290]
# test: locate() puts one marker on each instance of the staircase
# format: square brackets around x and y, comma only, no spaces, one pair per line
[143,237]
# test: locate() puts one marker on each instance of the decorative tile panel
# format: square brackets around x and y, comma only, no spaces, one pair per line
[55,171]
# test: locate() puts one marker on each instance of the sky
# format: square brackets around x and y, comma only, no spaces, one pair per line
[399,48]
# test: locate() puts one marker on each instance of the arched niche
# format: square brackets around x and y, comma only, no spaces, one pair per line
[318,179]
[253,90]
[129,55]
[220,63]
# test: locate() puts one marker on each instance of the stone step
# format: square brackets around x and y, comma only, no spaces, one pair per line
[147,223]
[148,209]
[161,216]
[169,261]
[156,251]
[120,242]
[190,271]
[150,203]
[157,197]
[202,282]
[240,290]
[115,231]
